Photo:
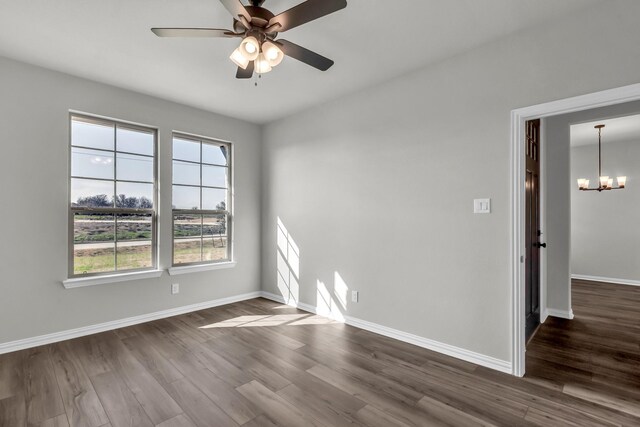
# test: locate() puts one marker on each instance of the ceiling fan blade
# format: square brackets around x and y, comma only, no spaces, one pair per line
[304,55]
[246,73]
[305,12]
[236,9]
[192,32]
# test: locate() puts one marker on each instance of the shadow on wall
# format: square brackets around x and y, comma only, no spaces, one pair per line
[331,301]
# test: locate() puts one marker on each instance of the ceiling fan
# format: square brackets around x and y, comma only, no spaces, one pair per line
[259,50]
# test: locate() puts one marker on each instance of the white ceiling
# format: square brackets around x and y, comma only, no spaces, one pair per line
[371,41]
[620,129]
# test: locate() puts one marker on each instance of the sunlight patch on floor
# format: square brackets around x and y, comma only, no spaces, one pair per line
[270,320]
[237,321]
[275,320]
[313,320]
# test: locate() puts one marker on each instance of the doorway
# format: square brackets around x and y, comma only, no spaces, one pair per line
[523,253]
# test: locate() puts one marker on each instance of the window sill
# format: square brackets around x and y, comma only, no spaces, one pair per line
[79,282]
[174,271]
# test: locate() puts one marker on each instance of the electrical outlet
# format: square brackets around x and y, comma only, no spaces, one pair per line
[354,296]
[175,288]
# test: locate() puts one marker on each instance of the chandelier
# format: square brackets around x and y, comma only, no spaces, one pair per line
[604,182]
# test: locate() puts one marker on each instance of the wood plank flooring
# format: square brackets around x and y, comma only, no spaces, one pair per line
[596,356]
[259,363]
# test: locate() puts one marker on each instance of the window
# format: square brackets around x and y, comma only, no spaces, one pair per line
[201,200]
[112,210]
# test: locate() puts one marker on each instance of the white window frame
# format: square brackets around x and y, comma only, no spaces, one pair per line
[115,275]
[183,268]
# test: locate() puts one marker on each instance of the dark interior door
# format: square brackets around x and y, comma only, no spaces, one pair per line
[532,228]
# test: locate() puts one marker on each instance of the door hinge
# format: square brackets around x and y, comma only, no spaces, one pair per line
[521,258]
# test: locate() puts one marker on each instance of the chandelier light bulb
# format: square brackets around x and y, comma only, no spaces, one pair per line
[622,181]
[262,64]
[581,183]
[250,48]
[238,58]
[604,181]
[272,53]
[610,183]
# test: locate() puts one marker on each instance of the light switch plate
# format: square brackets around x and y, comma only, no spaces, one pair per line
[482,206]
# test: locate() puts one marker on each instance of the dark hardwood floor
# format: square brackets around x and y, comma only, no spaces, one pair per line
[595,356]
[258,363]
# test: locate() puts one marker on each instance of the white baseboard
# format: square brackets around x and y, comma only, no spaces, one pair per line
[606,280]
[560,313]
[544,313]
[115,324]
[449,350]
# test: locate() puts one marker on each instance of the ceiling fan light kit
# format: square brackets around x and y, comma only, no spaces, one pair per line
[262,65]
[604,182]
[250,48]
[273,53]
[260,50]
[239,59]
[266,55]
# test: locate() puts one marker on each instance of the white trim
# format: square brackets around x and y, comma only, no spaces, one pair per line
[518,118]
[449,350]
[544,314]
[115,324]
[80,282]
[560,313]
[198,136]
[175,271]
[111,119]
[606,280]
[517,244]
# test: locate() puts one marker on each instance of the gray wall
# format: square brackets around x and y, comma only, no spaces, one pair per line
[567,208]
[378,186]
[34,105]
[605,236]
